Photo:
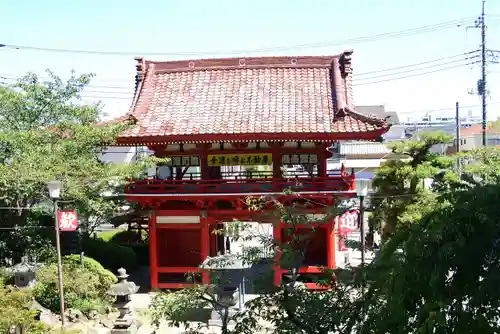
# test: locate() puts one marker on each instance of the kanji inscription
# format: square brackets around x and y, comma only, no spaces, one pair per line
[67,220]
[239,159]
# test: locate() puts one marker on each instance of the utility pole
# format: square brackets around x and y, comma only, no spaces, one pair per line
[458,139]
[482,86]
[458,126]
[482,89]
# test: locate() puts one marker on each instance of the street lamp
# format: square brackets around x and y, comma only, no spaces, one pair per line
[55,193]
[362,186]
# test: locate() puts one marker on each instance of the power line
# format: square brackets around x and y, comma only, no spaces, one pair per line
[415,69]
[362,81]
[443,109]
[387,35]
[467,54]
[414,75]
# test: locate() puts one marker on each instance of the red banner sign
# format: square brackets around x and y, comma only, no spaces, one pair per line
[67,220]
[346,223]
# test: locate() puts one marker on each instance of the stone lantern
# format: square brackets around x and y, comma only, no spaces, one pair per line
[122,291]
[24,273]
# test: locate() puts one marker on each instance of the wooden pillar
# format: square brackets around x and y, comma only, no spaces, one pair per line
[277,233]
[204,169]
[205,246]
[153,252]
[276,164]
[276,152]
[322,163]
[330,245]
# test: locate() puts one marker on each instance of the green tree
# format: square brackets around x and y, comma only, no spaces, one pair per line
[46,133]
[15,311]
[402,196]
[440,275]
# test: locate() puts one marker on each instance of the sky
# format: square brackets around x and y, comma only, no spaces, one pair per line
[177,29]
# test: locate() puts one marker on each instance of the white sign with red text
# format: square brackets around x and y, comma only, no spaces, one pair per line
[67,220]
[346,223]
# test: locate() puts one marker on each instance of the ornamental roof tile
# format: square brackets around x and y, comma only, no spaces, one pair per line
[196,100]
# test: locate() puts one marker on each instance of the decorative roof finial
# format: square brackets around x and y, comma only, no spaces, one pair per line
[345,63]
[139,76]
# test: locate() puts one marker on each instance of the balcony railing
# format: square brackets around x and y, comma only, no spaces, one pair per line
[335,181]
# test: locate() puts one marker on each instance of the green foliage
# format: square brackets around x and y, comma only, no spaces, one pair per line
[401,197]
[84,288]
[14,311]
[105,276]
[46,134]
[296,310]
[6,277]
[445,279]
[108,235]
[121,236]
[177,307]
[111,255]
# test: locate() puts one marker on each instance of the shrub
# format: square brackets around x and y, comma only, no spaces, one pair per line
[141,252]
[106,277]
[109,235]
[6,277]
[14,311]
[82,287]
[128,237]
[110,255]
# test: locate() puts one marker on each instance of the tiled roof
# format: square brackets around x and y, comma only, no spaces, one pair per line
[200,100]
[477,129]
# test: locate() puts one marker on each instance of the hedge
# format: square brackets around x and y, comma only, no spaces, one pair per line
[110,255]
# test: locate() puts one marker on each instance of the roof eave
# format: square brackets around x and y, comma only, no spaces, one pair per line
[251,137]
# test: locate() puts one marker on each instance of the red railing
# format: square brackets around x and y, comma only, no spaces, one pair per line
[335,181]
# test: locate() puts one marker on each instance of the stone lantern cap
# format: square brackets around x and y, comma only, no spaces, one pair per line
[123,287]
[25,267]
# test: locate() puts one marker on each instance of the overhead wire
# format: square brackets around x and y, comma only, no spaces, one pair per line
[370,38]
[410,70]
[415,75]
[461,55]
[429,63]
[357,81]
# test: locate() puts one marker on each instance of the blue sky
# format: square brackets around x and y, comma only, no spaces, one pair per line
[219,27]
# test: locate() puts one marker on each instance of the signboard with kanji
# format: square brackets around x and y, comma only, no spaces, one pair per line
[67,220]
[183,161]
[346,223]
[240,159]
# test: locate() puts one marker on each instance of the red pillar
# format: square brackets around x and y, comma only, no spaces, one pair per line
[153,253]
[205,246]
[330,244]
[277,231]
[322,163]
[276,154]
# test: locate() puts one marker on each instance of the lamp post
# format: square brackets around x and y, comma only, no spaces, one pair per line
[362,186]
[55,193]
